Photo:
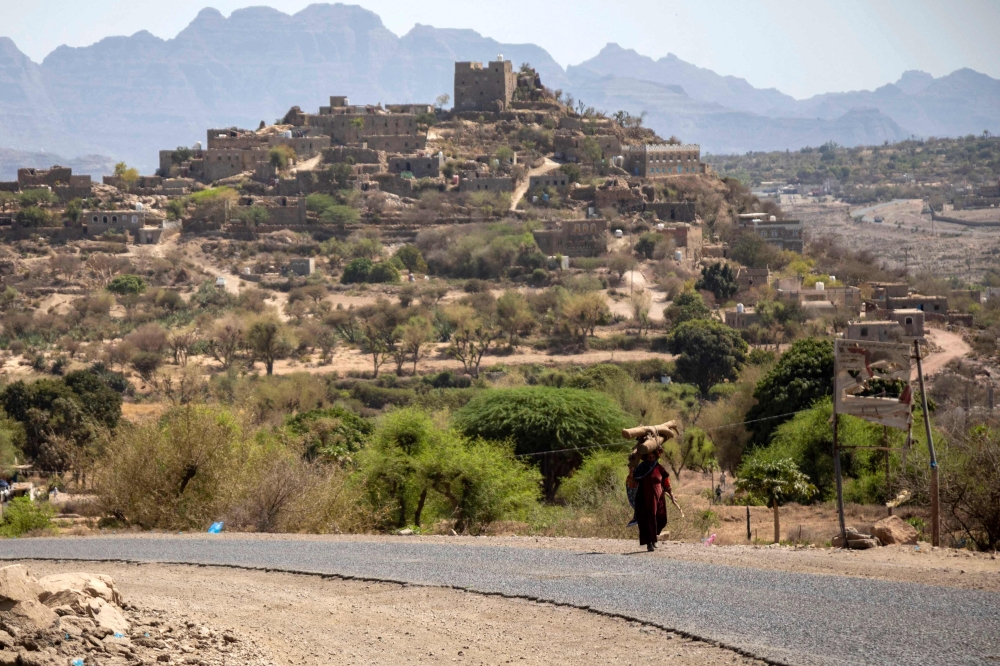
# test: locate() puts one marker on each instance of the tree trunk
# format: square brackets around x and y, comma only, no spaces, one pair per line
[420,507]
[777,521]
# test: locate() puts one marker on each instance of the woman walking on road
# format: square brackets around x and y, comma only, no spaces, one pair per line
[653,483]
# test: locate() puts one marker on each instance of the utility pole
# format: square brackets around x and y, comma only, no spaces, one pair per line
[935,490]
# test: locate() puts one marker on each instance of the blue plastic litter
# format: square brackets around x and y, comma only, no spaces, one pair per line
[216,528]
[119,634]
[67,636]
[78,662]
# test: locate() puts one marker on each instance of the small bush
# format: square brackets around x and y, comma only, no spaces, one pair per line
[22,516]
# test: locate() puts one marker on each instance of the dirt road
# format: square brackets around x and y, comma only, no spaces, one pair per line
[952,346]
[522,188]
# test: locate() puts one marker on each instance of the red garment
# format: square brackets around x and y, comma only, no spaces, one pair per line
[651,504]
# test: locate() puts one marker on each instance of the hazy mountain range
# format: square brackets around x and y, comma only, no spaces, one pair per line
[128,97]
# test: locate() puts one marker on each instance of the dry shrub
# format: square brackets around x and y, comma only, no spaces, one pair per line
[199,464]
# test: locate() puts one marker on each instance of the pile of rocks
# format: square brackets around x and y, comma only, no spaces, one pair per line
[886,532]
[80,619]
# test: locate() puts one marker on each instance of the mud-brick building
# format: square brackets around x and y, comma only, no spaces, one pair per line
[685,237]
[475,182]
[577,238]
[661,160]
[418,166]
[489,88]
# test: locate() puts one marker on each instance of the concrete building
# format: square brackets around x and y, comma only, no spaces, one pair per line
[98,222]
[577,238]
[742,318]
[824,301]
[929,304]
[784,234]
[911,322]
[304,266]
[554,179]
[662,160]
[884,289]
[489,88]
[875,331]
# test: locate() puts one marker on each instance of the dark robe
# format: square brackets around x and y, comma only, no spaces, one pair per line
[651,503]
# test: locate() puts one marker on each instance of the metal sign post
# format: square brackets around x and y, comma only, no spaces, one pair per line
[935,491]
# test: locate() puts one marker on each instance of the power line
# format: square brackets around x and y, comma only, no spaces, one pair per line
[604,446]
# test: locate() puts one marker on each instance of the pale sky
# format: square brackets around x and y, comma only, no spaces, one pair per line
[801,47]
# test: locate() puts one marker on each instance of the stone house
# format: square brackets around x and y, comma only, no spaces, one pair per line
[554,179]
[569,146]
[686,237]
[32,178]
[489,88]
[473,182]
[911,322]
[577,238]
[420,167]
[673,211]
[753,278]
[662,160]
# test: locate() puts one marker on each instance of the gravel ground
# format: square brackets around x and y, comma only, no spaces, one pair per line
[278,619]
[785,617]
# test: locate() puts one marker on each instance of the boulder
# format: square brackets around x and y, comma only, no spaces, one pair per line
[863,544]
[32,613]
[75,600]
[894,530]
[17,585]
[8,658]
[107,617]
[93,585]
[75,626]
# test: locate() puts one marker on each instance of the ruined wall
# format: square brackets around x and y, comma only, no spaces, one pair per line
[29,178]
[674,211]
[487,184]
[580,238]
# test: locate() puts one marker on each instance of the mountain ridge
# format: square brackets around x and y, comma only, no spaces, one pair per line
[130,96]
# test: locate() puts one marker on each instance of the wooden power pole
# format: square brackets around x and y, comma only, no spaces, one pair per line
[935,491]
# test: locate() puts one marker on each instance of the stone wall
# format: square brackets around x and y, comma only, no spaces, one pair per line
[579,238]
[679,211]
[486,184]
[479,88]
[420,167]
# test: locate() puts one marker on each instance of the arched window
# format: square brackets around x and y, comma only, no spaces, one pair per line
[593,228]
[114,219]
[105,219]
[864,332]
[909,321]
[95,218]
[576,228]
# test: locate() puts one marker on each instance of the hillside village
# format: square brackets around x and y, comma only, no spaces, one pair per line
[321,271]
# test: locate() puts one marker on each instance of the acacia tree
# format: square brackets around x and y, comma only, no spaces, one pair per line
[582,314]
[514,316]
[268,340]
[776,482]
[473,336]
[378,334]
[414,336]
[226,340]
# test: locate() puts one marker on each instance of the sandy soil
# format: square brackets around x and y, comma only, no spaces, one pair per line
[905,238]
[952,346]
[309,620]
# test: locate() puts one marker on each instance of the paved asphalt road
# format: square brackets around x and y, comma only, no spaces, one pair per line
[785,617]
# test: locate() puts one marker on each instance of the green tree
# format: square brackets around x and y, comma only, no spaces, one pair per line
[708,352]
[514,316]
[720,279]
[253,216]
[334,433]
[129,175]
[572,172]
[412,467]
[414,337]
[357,270]
[340,215]
[280,156]
[688,306]
[751,250]
[539,419]
[412,259]
[803,375]
[774,482]
[647,244]
[74,209]
[33,217]
[126,285]
[473,335]
[383,272]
